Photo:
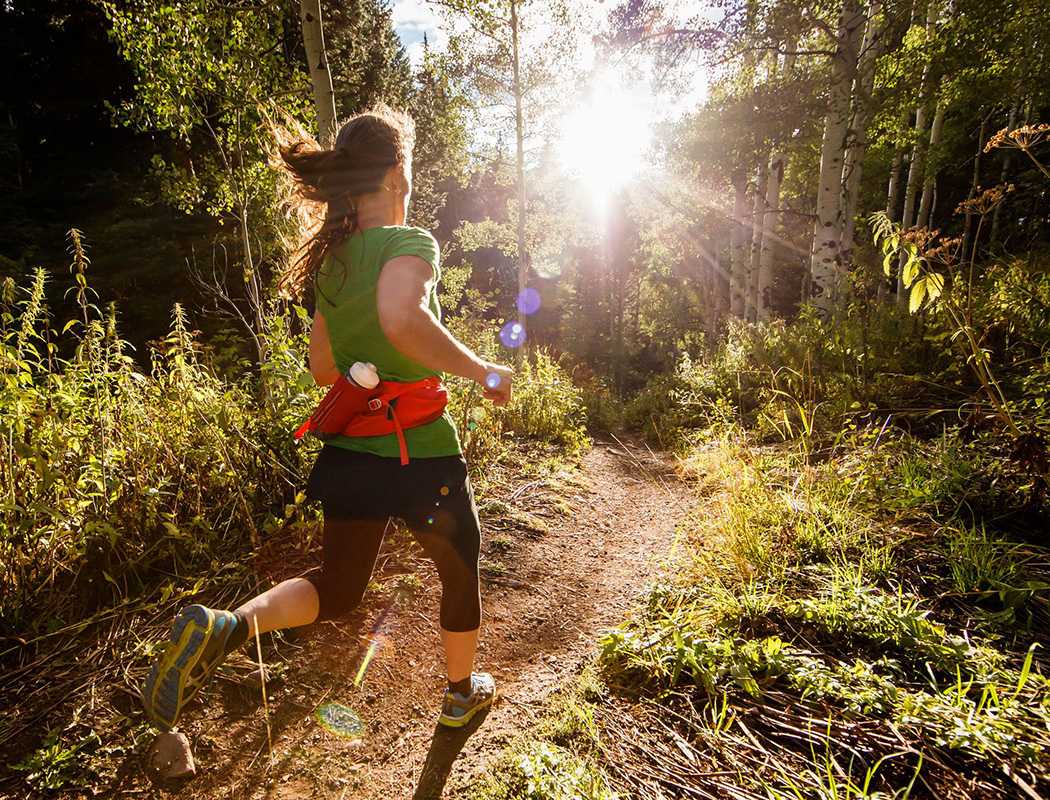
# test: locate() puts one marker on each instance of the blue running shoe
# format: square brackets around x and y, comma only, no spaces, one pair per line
[195,649]
[458,710]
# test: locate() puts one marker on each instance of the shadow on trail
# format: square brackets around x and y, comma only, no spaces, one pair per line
[445,747]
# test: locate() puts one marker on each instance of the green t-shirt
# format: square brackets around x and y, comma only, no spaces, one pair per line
[346,297]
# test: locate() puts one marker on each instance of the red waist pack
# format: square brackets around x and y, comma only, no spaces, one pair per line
[391,407]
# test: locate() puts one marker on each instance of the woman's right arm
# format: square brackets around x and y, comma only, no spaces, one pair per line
[409,324]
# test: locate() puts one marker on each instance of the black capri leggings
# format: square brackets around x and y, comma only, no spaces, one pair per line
[360,492]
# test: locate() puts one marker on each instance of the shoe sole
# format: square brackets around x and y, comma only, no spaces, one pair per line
[164,692]
[459,722]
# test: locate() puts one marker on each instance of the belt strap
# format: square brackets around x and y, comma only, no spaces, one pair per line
[402,445]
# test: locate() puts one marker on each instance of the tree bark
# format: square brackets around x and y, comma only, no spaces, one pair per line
[918,152]
[774,177]
[320,75]
[993,236]
[827,230]
[738,256]
[519,135]
[975,183]
[858,137]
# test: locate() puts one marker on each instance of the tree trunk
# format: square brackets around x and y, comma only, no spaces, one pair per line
[758,217]
[519,135]
[790,57]
[918,152]
[858,138]
[893,190]
[827,230]
[774,177]
[930,182]
[738,256]
[320,75]
[975,183]
[993,237]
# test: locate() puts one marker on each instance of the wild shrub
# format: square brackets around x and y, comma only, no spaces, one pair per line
[545,771]
[112,476]
[546,405]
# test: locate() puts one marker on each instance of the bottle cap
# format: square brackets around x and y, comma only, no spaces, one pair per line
[364,374]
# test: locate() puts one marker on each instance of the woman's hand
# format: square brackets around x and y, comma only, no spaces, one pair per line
[496,383]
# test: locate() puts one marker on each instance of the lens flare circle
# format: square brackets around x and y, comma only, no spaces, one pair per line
[528,301]
[493,380]
[340,720]
[512,334]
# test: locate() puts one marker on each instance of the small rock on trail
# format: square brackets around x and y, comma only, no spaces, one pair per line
[170,757]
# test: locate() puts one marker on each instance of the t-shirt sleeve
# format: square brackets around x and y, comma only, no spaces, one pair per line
[414,242]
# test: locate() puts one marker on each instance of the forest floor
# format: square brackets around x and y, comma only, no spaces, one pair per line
[566,558]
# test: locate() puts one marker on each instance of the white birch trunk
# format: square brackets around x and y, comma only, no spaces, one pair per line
[858,139]
[320,75]
[519,137]
[774,177]
[827,230]
[758,217]
[738,260]
[771,208]
[918,153]
[893,190]
[930,182]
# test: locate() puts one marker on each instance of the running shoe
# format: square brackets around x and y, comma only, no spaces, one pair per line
[458,710]
[194,650]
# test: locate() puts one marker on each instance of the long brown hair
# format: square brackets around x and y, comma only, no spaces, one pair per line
[366,147]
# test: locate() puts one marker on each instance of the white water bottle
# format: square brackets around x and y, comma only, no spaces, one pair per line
[363,375]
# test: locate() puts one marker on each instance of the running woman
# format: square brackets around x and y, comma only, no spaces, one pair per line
[375,283]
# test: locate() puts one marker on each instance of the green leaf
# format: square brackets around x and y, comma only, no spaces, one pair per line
[918,294]
[887,263]
[911,270]
[934,285]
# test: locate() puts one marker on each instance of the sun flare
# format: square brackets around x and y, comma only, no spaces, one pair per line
[605,139]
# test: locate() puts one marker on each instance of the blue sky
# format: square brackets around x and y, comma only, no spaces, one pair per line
[413,19]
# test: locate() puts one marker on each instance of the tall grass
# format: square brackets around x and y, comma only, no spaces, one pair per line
[854,615]
[113,475]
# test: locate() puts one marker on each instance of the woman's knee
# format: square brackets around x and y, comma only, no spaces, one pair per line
[335,598]
[461,612]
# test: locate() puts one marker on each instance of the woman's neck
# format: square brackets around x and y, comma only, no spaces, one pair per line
[379,210]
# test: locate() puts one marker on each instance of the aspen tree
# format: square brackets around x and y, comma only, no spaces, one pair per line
[320,74]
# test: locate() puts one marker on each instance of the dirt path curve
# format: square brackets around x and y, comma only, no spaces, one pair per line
[547,595]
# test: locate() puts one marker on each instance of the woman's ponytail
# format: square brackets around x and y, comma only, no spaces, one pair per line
[367,146]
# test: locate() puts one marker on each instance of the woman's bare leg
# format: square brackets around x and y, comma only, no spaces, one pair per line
[460,649]
[289,604]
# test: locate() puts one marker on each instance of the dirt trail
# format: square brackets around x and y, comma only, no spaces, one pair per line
[547,595]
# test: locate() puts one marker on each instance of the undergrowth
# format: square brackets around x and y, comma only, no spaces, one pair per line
[871,638]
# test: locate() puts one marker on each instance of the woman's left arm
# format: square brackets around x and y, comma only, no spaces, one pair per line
[322,362]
